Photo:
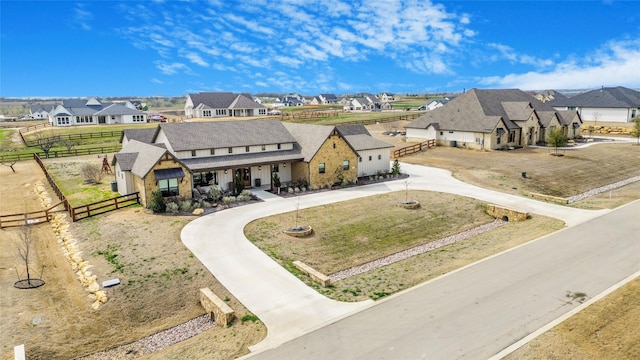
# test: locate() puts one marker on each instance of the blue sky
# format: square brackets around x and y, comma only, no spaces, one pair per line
[171,47]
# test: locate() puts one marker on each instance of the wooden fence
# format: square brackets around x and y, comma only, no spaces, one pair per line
[60,153]
[29,218]
[414,148]
[101,207]
[30,128]
[81,136]
[52,182]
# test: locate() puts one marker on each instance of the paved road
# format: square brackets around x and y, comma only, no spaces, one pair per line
[282,302]
[477,311]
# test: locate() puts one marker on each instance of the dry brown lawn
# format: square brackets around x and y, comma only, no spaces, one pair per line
[159,277]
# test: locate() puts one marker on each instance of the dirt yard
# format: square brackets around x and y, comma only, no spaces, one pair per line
[159,278]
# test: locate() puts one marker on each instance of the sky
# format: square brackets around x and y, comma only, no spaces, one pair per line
[176,47]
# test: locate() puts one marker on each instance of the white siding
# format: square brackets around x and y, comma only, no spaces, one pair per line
[373,161]
[421,134]
[605,114]
[124,179]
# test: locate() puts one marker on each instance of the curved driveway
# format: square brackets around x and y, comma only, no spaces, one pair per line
[287,306]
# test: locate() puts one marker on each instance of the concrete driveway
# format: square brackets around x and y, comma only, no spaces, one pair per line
[287,306]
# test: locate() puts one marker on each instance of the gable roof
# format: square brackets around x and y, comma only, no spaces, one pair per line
[142,135]
[606,97]
[482,111]
[139,157]
[360,139]
[220,134]
[309,137]
[224,100]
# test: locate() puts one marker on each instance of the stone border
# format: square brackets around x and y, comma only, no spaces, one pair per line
[305,231]
[217,309]
[313,273]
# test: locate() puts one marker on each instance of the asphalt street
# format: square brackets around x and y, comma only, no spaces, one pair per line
[481,309]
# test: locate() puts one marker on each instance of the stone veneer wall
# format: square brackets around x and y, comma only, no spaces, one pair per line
[500,212]
[216,307]
[333,158]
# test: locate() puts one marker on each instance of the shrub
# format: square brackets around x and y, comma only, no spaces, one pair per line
[157,204]
[228,199]
[172,208]
[92,173]
[214,192]
[185,205]
[244,196]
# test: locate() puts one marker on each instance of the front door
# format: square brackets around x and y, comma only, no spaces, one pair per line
[245,175]
[102,120]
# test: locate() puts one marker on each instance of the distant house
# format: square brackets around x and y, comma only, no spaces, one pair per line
[358,104]
[222,104]
[92,111]
[326,99]
[614,104]
[38,111]
[387,97]
[434,104]
[188,155]
[492,119]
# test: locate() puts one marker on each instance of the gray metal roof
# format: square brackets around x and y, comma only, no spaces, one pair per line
[220,134]
[118,109]
[606,97]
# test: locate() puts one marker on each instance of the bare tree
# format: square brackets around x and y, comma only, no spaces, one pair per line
[10,164]
[45,143]
[92,173]
[68,144]
[25,248]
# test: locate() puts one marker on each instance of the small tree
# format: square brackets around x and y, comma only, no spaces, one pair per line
[340,175]
[25,251]
[276,181]
[92,173]
[157,204]
[46,143]
[238,184]
[395,169]
[635,132]
[557,138]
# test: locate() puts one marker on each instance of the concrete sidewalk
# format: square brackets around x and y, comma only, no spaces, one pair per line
[287,306]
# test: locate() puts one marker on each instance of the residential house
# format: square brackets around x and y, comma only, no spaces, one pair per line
[359,104]
[387,97]
[434,104]
[491,119]
[326,99]
[219,152]
[38,111]
[93,111]
[611,104]
[222,104]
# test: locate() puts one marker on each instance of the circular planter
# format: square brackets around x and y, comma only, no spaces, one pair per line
[300,231]
[28,283]
[411,204]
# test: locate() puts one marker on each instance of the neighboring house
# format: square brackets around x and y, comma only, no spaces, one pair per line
[253,150]
[387,97]
[491,119]
[434,104]
[40,111]
[93,111]
[222,104]
[549,95]
[326,99]
[359,104]
[611,104]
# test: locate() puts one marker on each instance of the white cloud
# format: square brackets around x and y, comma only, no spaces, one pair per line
[156,81]
[615,63]
[82,17]
[196,59]
[510,54]
[171,69]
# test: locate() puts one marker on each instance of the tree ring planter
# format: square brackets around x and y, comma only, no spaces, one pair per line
[411,204]
[300,231]
[28,283]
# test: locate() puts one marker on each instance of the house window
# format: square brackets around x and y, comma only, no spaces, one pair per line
[212,151]
[345,165]
[379,157]
[370,158]
[206,113]
[512,136]
[276,168]
[168,187]
[193,153]
[262,111]
[221,111]
[246,149]
[571,108]
[205,179]
[113,117]
[360,159]
[334,145]
[498,139]
[264,147]
[321,168]
[441,132]
[279,146]
[230,150]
